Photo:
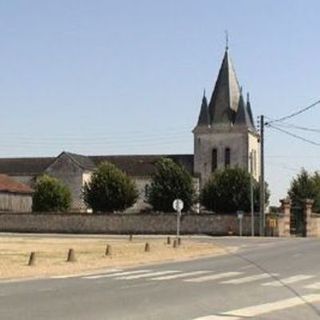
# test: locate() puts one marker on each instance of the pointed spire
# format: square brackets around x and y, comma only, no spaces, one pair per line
[242,117]
[204,115]
[225,97]
[249,110]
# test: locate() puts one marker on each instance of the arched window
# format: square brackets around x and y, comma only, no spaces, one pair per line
[214,160]
[227,155]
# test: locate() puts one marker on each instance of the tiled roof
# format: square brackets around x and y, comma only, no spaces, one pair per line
[10,185]
[24,166]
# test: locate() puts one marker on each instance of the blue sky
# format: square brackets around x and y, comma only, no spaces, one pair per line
[126,77]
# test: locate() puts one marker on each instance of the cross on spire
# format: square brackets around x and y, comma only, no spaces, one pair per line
[227,39]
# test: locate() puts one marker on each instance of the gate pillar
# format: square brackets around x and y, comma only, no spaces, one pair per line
[284,218]
[307,211]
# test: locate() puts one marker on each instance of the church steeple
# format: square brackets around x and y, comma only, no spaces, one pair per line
[225,97]
[242,117]
[203,119]
[249,110]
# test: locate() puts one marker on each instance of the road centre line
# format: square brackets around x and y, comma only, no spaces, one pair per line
[181,275]
[110,275]
[289,280]
[214,277]
[257,310]
[249,278]
[147,275]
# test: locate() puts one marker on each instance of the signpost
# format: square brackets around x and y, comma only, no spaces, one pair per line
[178,206]
[240,216]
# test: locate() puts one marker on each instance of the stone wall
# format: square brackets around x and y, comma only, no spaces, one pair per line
[212,224]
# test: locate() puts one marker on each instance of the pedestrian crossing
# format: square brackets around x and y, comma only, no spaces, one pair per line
[209,276]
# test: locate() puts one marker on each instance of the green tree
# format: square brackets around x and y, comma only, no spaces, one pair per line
[305,186]
[169,182]
[109,190]
[229,190]
[50,195]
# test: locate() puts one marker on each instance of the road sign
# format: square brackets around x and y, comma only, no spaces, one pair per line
[177,205]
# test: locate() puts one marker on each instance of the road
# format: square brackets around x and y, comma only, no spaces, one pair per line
[268,278]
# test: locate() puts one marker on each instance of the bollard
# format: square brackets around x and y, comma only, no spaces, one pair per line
[130,237]
[174,243]
[108,250]
[32,259]
[147,247]
[168,240]
[179,241]
[71,256]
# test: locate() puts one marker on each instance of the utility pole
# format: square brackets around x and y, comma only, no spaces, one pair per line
[251,194]
[262,198]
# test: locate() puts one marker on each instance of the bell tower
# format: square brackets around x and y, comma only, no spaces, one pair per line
[225,135]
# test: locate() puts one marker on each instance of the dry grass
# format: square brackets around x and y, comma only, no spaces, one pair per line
[51,254]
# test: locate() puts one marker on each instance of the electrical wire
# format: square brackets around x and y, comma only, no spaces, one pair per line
[294,135]
[295,113]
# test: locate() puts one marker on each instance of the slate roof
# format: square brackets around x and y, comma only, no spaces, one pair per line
[133,165]
[24,166]
[83,161]
[225,97]
[143,165]
[242,116]
[10,185]
[203,119]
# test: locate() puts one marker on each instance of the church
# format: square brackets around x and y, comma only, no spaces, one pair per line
[224,136]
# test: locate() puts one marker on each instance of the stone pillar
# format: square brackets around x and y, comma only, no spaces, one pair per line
[284,218]
[307,212]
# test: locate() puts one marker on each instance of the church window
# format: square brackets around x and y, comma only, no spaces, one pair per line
[214,160]
[227,157]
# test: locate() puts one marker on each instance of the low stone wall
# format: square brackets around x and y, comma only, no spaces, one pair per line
[213,224]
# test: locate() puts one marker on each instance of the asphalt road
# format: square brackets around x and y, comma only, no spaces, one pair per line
[265,279]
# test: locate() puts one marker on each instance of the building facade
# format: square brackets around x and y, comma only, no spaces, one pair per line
[224,136]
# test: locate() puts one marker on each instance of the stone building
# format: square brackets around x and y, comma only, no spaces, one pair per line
[14,196]
[224,136]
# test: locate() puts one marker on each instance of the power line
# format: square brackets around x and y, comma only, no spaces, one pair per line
[295,113]
[289,125]
[294,135]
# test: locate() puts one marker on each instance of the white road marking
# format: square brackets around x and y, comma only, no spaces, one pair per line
[214,277]
[248,279]
[147,275]
[258,310]
[65,276]
[315,285]
[117,274]
[289,280]
[181,275]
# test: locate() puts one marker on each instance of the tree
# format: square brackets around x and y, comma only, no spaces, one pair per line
[229,190]
[50,195]
[169,182]
[305,186]
[109,190]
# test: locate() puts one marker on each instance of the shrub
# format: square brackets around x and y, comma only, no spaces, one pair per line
[50,195]
[109,190]
[169,182]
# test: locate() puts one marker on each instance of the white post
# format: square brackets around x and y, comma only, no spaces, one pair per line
[251,195]
[178,223]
